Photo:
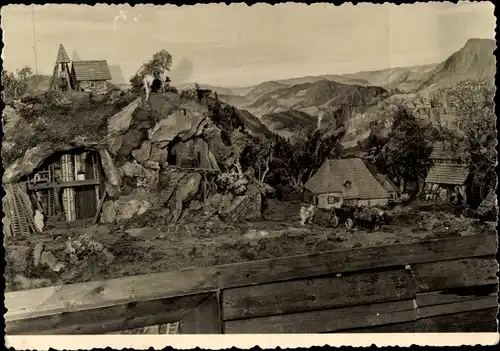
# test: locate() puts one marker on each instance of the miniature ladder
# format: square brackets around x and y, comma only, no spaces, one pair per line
[21,222]
[173,328]
[51,203]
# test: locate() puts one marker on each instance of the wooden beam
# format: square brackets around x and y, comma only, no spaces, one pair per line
[109,319]
[455,295]
[65,184]
[457,273]
[479,303]
[203,319]
[99,294]
[99,207]
[475,321]
[317,294]
[326,320]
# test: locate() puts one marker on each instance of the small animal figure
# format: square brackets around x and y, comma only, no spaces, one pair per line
[148,80]
[306,214]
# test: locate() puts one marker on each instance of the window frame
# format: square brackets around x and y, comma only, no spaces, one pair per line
[335,198]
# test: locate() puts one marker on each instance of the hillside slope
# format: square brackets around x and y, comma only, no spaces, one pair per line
[285,123]
[405,79]
[474,61]
[315,98]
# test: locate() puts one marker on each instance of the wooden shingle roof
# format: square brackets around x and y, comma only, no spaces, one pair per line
[333,174]
[62,56]
[444,151]
[452,174]
[91,70]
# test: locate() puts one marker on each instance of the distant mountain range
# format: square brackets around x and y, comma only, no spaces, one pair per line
[283,104]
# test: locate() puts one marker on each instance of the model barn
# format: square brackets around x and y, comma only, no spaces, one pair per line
[344,182]
[447,173]
[90,76]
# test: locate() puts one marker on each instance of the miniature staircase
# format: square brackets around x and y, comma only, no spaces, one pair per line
[21,223]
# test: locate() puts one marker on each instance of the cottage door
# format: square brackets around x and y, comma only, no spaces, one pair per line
[86,195]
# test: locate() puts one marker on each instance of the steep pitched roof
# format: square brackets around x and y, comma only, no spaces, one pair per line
[333,174]
[62,56]
[452,174]
[91,70]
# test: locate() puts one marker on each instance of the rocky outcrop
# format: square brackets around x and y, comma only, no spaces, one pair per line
[146,178]
[111,172]
[34,157]
[244,207]
[184,123]
[186,190]
[126,207]
[142,153]
[120,122]
[134,157]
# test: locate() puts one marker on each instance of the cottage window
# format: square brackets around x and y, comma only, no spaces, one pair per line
[347,184]
[349,202]
[369,203]
[332,199]
[92,84]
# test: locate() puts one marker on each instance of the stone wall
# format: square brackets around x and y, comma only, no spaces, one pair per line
[97,87]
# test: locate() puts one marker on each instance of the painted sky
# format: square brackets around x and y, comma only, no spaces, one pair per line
[238,45]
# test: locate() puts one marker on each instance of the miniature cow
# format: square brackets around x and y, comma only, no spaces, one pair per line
[306,214]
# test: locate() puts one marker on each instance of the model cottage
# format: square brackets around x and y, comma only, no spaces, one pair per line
[344,182]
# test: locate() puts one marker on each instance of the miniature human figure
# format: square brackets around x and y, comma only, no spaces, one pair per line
[306,214]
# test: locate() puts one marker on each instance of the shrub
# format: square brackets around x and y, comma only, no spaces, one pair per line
[232,182]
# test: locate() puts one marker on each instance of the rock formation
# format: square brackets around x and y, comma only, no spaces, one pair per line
[135,153]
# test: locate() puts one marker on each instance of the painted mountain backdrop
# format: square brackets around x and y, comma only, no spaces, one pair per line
[285,105]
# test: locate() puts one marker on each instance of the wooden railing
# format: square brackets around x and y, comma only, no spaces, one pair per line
[440,285]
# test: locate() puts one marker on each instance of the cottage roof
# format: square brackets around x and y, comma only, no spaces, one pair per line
[489,202]
[333,174]
[91,70]
[444,151]
[452,174]
[62,56]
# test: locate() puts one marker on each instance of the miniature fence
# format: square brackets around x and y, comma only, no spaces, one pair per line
[445,285]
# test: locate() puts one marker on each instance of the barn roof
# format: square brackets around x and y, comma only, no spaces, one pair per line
[62,56]
[333,174]
[452,174]
[489,202]
[91,70]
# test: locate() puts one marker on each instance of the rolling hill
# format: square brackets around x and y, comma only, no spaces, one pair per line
[288,122]
[315,98]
